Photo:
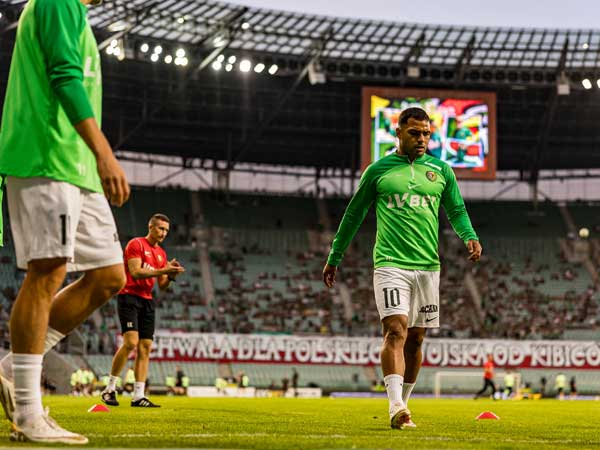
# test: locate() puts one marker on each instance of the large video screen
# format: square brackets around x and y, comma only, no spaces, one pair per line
[463,126]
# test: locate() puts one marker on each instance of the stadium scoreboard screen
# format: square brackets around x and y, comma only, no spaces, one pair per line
[463,126]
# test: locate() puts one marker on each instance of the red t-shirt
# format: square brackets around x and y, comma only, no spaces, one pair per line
[153,257]
[488,370]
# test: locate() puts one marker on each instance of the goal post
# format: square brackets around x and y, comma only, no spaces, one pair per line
[474,381]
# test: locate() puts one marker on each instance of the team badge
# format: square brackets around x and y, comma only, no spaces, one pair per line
[159,258]
[431,176]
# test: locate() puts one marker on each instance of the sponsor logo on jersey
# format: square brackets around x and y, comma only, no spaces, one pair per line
[429,320]
[428,309]
[148,266]
[412,185]
[413,200]
[431,176]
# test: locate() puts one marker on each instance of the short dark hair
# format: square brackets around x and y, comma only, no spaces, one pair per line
[159,216]
[412,113]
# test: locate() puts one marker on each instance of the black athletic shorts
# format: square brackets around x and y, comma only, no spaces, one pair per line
[137,314]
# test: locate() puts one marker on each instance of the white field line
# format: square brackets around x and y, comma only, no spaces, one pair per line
[343,436]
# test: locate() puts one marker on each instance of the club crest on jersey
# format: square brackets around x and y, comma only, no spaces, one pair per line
[159,258]
[431,176]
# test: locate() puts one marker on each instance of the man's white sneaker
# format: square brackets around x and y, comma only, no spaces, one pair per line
[44,429]
[409,424]
[399,416]
[7,397]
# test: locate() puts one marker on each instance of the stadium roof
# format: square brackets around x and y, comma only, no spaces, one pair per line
[291,34]
[288,33]
[254,117]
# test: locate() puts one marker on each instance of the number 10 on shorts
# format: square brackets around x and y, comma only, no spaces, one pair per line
[391,297]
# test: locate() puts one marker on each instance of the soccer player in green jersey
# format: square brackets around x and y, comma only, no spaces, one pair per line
[407,188]
[60,176]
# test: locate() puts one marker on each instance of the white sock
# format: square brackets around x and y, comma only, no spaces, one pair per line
[53,337]
[27,371]
[112,383]
[393,386]
[138,390]
[406,391]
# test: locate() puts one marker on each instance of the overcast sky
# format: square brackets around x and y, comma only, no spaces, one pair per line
[514,13]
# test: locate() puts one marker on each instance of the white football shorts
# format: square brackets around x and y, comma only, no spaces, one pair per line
[55,219]
[411,293]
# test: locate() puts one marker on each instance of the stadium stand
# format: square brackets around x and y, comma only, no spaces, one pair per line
[200,374]
[132,218]
[517,220]
[276,290]
[260,211]
[323,376]
[267,278]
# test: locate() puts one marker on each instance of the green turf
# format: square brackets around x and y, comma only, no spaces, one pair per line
[331,423]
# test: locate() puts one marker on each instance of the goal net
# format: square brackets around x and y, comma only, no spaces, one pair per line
[457,382]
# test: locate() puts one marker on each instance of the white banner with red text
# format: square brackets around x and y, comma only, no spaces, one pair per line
[450,353]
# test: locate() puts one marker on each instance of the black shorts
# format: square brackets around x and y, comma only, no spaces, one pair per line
[137,314]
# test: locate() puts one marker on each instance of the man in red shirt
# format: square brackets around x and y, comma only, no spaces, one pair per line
[145,262]
[488,376]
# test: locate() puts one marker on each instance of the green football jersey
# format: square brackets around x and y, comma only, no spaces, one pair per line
[407,199]
[54,82]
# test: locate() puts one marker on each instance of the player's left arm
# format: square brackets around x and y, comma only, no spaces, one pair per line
[454,205]
[59,27]
[165,280]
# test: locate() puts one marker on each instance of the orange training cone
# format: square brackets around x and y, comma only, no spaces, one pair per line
[98,408]
[487,415]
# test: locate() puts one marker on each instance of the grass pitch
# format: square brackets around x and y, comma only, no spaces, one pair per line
[329,423]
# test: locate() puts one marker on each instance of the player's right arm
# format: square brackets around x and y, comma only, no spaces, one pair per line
[60,24]
[133,255]
[138,272]
[353,218]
